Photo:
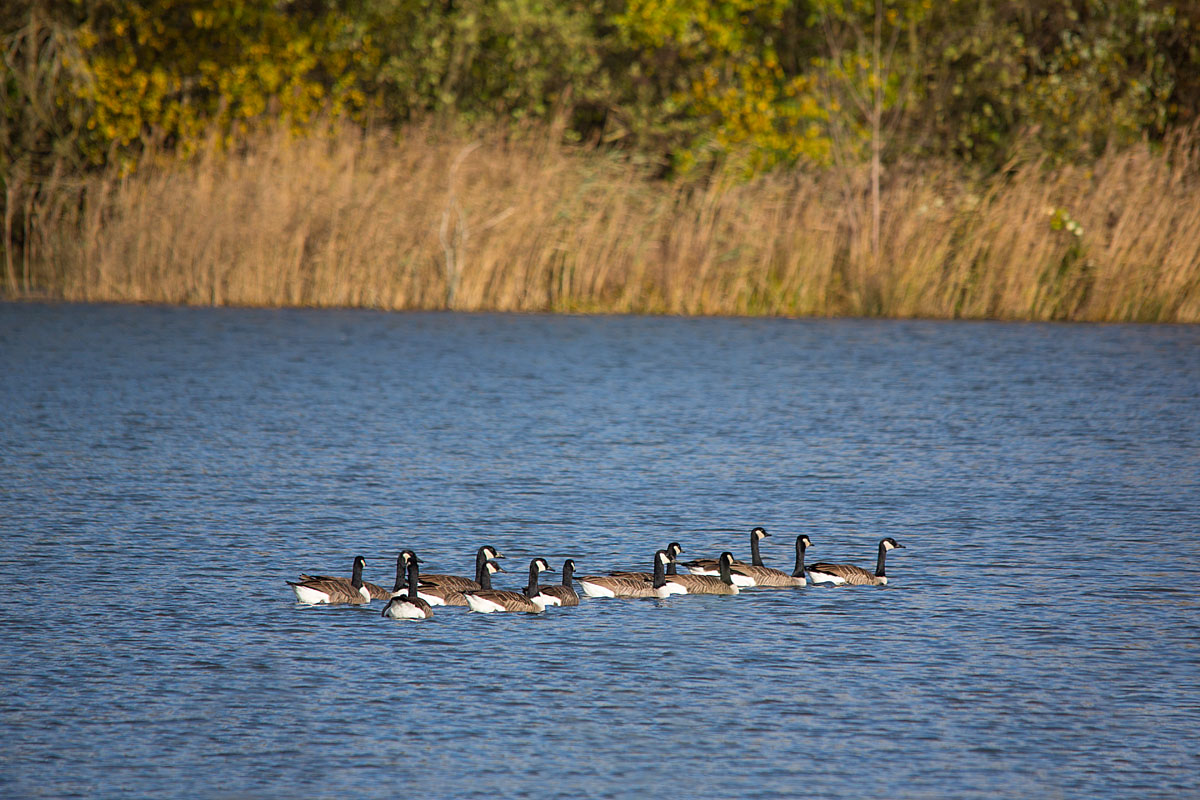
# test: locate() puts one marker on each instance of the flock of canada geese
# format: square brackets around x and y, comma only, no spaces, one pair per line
[414,594]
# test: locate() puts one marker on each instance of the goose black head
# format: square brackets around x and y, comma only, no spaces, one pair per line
[674,549]
[760,532]
[490,552]
[890,544]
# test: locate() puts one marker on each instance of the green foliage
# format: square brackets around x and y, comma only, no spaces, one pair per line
[1068,77]
[866,67]
[1101,83]
[725,77]
[169,70]
[485,59]
[1061,220]
[38,130]
[755,84]
[40,157]
[1063,288]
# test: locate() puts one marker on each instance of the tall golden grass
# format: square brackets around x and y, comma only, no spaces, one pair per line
[428,220]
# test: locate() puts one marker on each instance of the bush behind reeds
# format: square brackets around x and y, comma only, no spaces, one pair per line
[429,220]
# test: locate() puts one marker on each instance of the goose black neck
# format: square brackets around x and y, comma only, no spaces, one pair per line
[531,589]
[879,564]
[568,574]
[671,568]
[356,578]
[400,576]
[413,579]
[480,562]
[755,558]
[798,572]
[484,578]
[660,576]
[723,568]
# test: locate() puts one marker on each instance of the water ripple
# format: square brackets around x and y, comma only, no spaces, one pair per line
[165,471]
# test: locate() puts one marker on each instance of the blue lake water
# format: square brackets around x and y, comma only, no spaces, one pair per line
[164,471]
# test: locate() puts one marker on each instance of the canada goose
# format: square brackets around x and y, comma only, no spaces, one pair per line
[616,586]
[314,589]
[673,551]
[378,592]
[850,575]
[708,566]
[409,606]
[709,584]
[431,595]
[441,596]
[560,594]
[487,601]
[768,576]
[374,590]
[459,583]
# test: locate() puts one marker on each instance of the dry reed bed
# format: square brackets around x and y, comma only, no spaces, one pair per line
[434,222]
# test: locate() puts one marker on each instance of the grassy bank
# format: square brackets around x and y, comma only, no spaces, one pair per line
[437,221]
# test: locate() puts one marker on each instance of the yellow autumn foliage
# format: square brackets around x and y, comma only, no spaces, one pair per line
[172,70]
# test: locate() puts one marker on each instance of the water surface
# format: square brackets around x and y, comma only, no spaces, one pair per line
[165,471]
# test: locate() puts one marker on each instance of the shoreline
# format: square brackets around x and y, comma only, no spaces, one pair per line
[58,301]
[437,222]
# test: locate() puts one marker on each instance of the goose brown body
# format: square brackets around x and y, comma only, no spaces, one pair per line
[316,589]
[561,594]
[709,584]
[618,586]
[442,595]
[711,566]
[438,595]
[374,591]
[777,578]
[458,583]
[487,601]
[850,575]
[431,595]
[673,551]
